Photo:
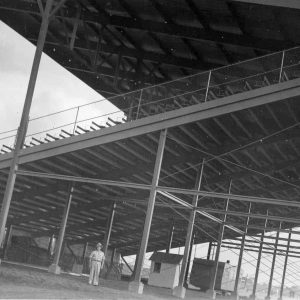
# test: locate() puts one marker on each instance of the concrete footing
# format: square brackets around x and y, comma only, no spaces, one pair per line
[211,294]
[136,287]
[55,269]
[179,292]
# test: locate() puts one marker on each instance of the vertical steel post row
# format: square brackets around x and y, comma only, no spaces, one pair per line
[136,285]
[268,297]
[24,120]
[285,265]
[259,259]
[54,268]
[109,227]
[219,245]
[238,270]
[179,291]
[209,250]
[170,237]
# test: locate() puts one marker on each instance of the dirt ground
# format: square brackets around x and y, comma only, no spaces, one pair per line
[23,282]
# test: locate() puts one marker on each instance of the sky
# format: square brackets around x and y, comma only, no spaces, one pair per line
[57,89]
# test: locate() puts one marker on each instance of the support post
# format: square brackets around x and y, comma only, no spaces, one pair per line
[54,268]
[109,227]
[268,297]
[136,285]
[24,119]
[170,237]
[285,265]
[258,260]
[185,284]
[239,266]
[50,244]
[179,291]
[219,245]
[86,245]
[7,241]
[209,250]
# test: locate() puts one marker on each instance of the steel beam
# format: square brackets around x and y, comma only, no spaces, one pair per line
[54,268]
[179,291]
[85,180]
[281,91]
[136,285]
[14,162]
[251,215]
[293,4]
[271,201]
[164,190]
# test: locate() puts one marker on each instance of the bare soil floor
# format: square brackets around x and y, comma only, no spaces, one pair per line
[22,282]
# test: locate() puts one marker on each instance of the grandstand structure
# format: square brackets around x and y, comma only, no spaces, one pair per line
[203,146]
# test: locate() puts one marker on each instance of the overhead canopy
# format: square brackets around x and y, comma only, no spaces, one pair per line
[120,45]
[247,129]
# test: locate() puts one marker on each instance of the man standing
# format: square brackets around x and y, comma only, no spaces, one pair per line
[96,263]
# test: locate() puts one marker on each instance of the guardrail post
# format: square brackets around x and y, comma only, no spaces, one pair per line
[207,87]
[281,67]
[75,123]
[139,104]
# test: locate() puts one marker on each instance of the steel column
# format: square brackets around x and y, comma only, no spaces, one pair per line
[19,141]
[136,285]
[7,241]
[50,244]
[238,270]
[109,227]
[273,264]
[170,237]
[259,259]
[209,250]
[219,245]
[285,265]
[54,268]
[84,252]
[189,261]
[179,291]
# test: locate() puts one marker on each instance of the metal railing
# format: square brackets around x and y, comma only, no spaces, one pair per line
[190,90]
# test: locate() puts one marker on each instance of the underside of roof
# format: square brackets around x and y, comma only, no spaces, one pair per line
[246,131]
[119,45]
